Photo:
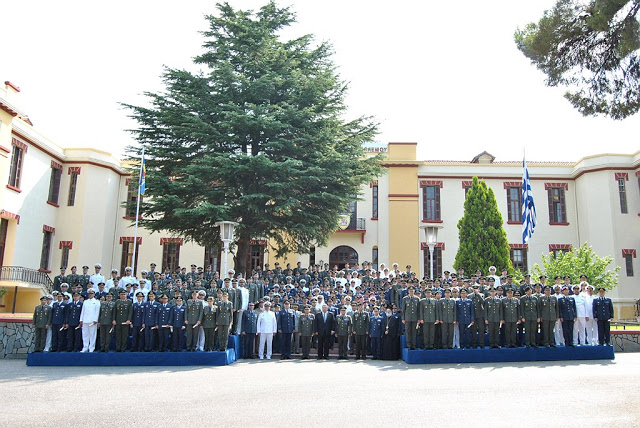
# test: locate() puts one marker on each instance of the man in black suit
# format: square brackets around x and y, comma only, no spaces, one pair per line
[324,329]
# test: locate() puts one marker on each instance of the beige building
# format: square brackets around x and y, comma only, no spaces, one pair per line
[64,207]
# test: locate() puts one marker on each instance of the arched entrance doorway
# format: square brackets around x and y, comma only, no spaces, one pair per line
[342,255]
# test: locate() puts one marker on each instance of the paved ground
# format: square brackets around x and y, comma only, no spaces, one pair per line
[325,393]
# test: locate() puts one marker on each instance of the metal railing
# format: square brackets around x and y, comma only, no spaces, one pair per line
[27,275]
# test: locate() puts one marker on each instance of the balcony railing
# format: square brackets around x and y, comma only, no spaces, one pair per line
[358,224]
[26,275]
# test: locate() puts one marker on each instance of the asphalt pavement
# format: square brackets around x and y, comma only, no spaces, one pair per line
[325,393]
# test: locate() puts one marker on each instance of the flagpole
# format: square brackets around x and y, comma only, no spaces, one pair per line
[135,233]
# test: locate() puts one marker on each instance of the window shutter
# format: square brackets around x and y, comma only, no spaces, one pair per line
[563,206]
[552,216]
[437,197]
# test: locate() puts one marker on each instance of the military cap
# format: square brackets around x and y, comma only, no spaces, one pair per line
[49,296]
[538,284]
[250,304]
[98,265]
[85,267]
[224,293]
[527,276]
[101,283]
[267,303]
[527,288]
[576,286]
[210,299]
[63,268]
[163,295]
[462,290]
[516,293]
[91,291]
[566,277]
[139,293]
[114,270]
[143,271]
[153,265]
[500,287]
[193,265]
[446,272]
[557,277]
[590,286]
[542,276]
[65,296]
[43,298]
[447,290]
[411,287]
[75,293]
[556,286]
[475,285]
[343,308]
[122,291]
[178,297]
[74,267]
[227,279]
[491,279]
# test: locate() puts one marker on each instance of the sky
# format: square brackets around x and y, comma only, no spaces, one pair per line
[446,75]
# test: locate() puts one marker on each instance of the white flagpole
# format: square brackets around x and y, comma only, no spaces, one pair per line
[135,233]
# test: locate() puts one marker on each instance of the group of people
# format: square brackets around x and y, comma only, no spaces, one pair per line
[362,311]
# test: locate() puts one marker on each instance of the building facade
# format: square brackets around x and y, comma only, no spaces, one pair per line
[65,207]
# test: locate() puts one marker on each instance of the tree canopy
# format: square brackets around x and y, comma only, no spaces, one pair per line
[592,48]
[577,262]
[257,136]
[483,241]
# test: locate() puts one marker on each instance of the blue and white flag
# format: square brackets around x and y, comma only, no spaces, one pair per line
[143,176]
[528,206]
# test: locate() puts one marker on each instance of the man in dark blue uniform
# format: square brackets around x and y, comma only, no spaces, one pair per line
[72,321]
[150,323]
[286,327]
[178,327]
[376,327]
[602,314]
[57,324]
[164,323]
[249,330]
[137,321]
[465,315]
[568,315]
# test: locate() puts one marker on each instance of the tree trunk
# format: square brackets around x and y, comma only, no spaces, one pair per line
[240,259]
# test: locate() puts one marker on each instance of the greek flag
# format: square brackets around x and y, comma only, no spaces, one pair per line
[143,176]
[528,206]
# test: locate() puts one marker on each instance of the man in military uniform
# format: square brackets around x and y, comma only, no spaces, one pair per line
[511,317]
[164,323]
[376,329]
[465,318]
[568,315]
[178,324]
[286,320]
[224,321]
[72,323]
[123,314]
[477,329]
[249,330]
[530,317]
[306,324]
[105,322]
[603,314]
[209,324]
[137,320]
[343,327]
[84,278]
[410,316]
[193,320]
[447,313]
[57,324]
[361,331]
[493,317]
[150,325]
[548,310]
[60,279]
[41,322]
[429,316]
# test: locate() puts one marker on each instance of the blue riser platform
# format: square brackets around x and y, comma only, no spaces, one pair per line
[69,359]
[487,355]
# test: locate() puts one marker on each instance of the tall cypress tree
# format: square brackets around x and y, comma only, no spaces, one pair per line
[257,137]
[483,241]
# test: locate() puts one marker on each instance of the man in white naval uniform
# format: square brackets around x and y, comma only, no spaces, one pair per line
[267,326]
[244,302]
[591,325]
[97,277]
[580,326]
[89,321]
[128,278]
